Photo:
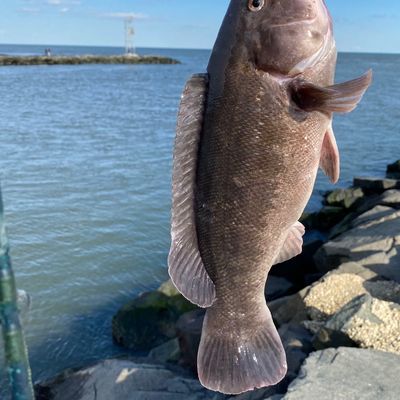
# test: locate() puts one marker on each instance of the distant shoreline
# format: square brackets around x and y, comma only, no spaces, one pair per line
[82,46]
[8,60]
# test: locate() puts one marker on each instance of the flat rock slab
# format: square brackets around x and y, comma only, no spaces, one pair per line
[126,380]
[373,242]
[347,374]
[376,184]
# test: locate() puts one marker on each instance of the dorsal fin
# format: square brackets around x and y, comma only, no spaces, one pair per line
[341,98]
[185,265]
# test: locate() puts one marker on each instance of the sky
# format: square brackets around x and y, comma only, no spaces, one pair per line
[360,25]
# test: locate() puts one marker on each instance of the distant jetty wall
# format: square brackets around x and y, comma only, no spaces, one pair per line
[84,59]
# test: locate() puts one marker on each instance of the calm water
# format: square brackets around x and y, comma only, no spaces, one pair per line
[85,169]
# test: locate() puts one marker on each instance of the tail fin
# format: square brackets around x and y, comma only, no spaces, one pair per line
[233,358]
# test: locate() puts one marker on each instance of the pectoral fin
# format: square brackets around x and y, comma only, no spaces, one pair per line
[185,265]
[293,245]
[341,98]
[330,159]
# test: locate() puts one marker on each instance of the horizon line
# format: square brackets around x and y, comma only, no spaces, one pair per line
[173,48]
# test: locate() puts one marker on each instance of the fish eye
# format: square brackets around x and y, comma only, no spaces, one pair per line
[255,5]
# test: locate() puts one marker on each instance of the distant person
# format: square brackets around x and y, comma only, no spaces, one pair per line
[47,52]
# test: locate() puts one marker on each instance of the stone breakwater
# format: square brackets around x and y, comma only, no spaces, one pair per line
[337,308]
[83,59]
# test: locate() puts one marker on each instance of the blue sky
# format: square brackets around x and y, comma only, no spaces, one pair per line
[360,25]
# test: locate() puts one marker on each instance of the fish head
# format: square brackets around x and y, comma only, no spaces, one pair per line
[285,37]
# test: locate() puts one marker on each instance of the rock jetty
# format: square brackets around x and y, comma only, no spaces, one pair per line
[84,59]
[337,308]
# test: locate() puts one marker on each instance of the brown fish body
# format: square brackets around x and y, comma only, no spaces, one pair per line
[251,135]
[258,160]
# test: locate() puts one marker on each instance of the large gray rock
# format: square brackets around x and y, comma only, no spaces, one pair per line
[149,320]
[126,380]
[373,242]
[347,374]
[366,322]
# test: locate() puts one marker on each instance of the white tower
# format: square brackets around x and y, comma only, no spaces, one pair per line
[129,34]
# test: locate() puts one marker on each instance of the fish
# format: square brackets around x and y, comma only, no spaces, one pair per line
[252,132]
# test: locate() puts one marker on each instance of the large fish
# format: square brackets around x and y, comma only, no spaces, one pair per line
[251,134]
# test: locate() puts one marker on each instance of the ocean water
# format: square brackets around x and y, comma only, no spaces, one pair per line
[85,164]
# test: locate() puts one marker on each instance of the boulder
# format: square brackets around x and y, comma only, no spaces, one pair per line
[347,373]
[148,321]
[289,308]
[166,352]
[331,293]
[345,198]
[277,287]
[393,170]
[126,380]
[366,322]
[377,185]
[297,342]
[373,241]
[189,328]
[328,217]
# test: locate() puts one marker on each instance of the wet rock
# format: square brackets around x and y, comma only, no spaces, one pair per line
[366,322]
[126,380]
[377,185]
[189,328]
[345,198]
[347,373]
[148,321]
[277,287]
[166,352]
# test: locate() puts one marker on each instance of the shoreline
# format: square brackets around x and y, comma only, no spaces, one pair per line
[6,60]
[336,307]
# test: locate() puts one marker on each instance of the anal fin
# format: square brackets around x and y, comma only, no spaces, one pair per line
[293,244]
[185,265]
[330,159]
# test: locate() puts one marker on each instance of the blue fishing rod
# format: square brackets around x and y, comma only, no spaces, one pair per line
[16,354]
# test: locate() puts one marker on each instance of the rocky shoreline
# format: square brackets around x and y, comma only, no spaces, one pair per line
[84,59]
[337,308]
